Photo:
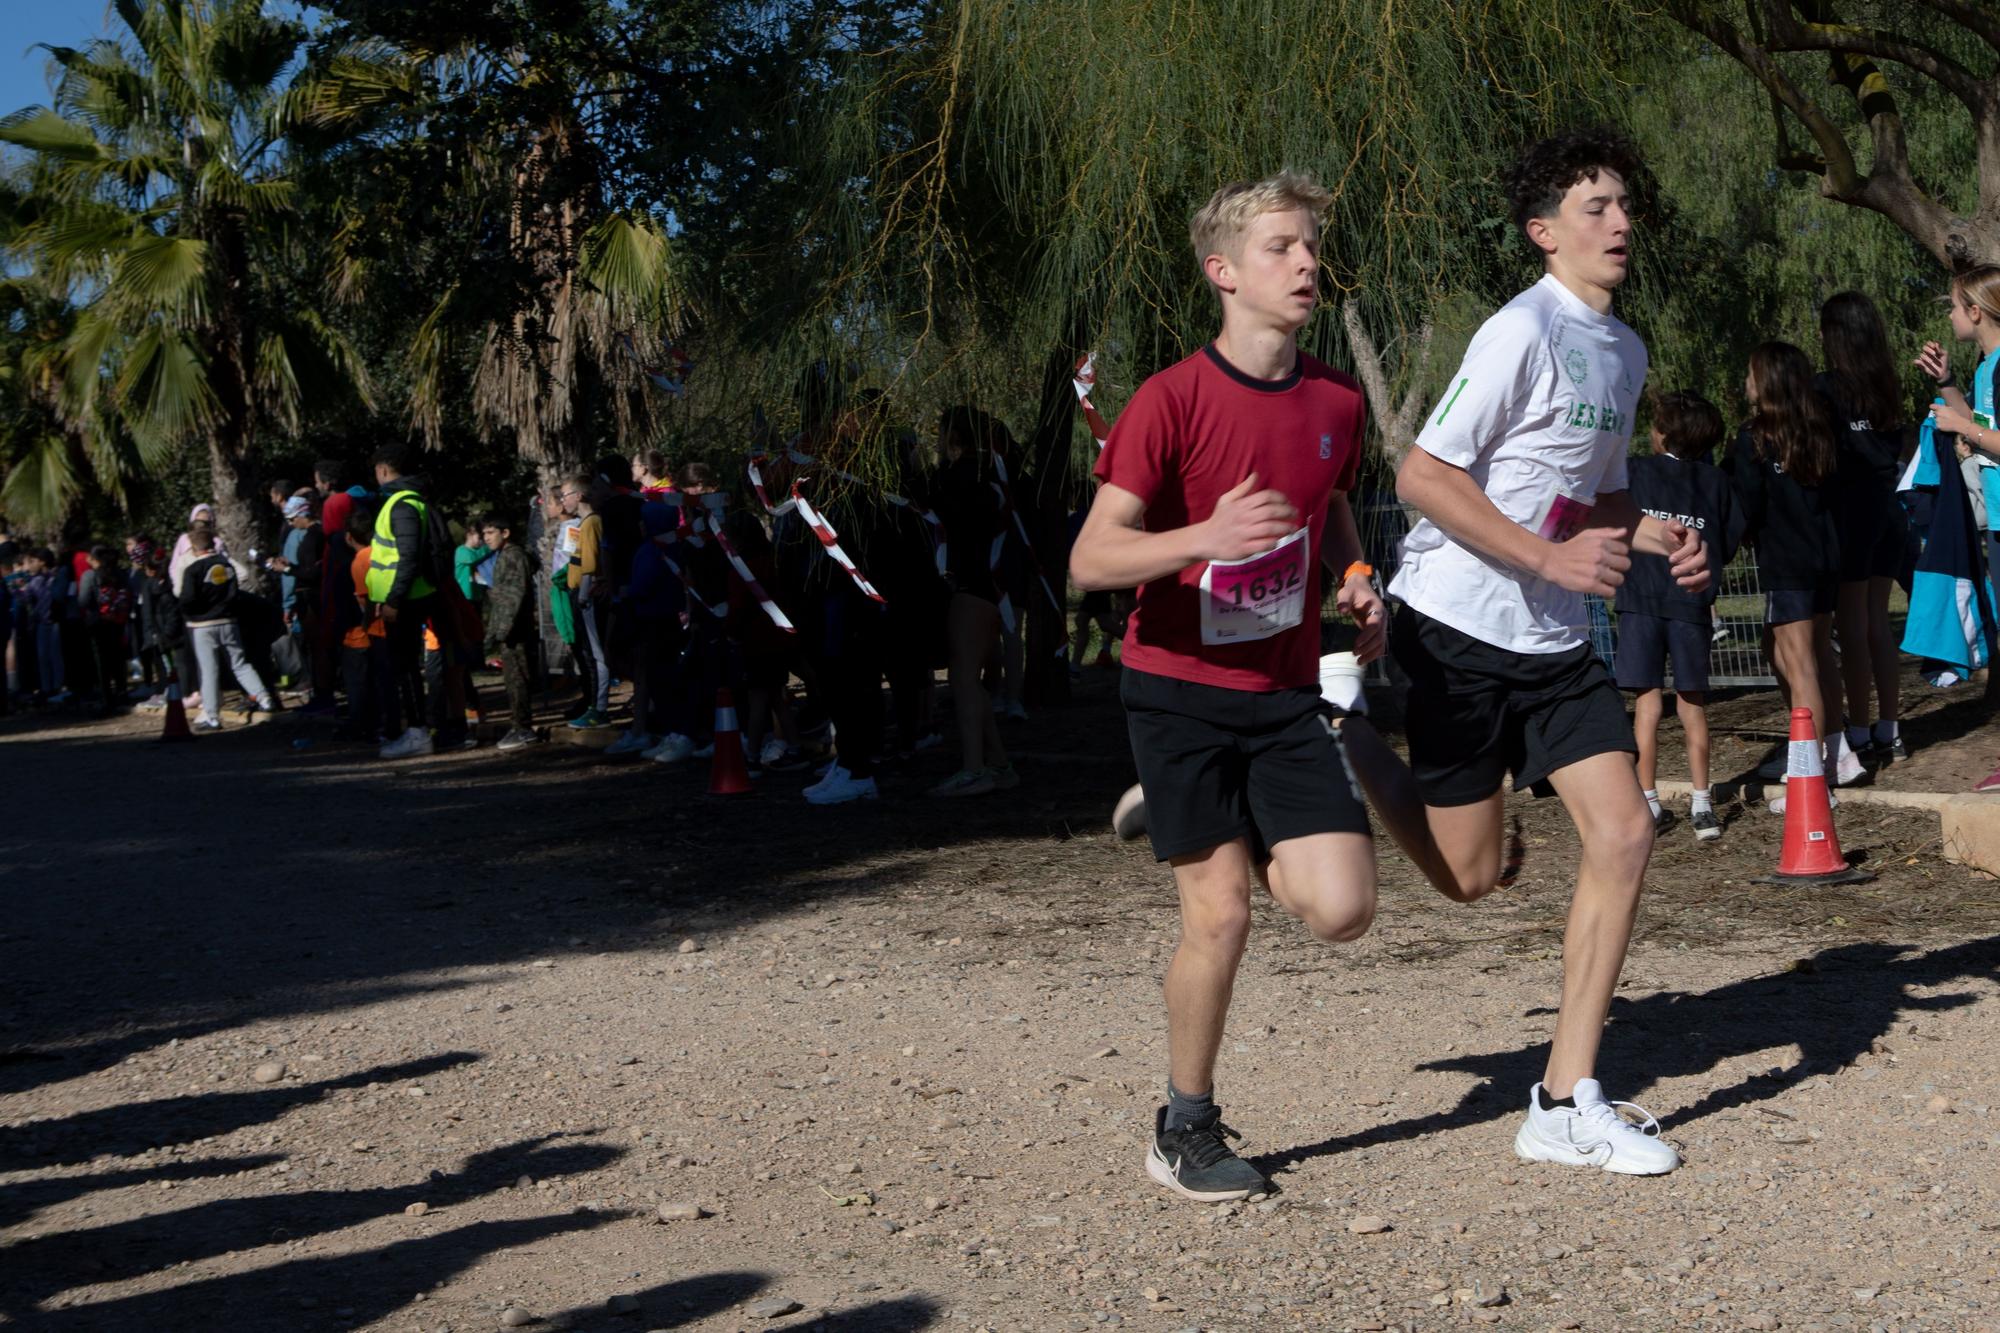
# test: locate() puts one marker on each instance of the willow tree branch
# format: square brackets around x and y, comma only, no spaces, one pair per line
[1979,19]
[1842,38]
[1843,178]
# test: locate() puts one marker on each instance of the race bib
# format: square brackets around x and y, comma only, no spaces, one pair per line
[1564,517]
[1257,597]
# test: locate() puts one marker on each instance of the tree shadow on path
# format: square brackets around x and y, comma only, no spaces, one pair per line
[1832,1006]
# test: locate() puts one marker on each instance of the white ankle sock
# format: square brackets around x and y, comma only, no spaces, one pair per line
[1700,801]
[1653,800]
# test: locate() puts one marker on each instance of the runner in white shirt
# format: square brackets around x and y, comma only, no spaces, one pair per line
[1520,476]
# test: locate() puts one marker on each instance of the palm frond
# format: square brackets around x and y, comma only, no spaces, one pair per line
[41,482]
[165,275]
[40,130]
[163,386]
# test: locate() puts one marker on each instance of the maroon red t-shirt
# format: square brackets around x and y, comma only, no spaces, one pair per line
[1193,432]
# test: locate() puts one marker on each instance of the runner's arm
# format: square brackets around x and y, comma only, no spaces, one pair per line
[1114,550]
[1447,495]
[1686,553]
[1593,561]
[1340,548]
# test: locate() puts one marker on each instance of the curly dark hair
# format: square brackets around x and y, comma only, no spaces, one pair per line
[1544,172]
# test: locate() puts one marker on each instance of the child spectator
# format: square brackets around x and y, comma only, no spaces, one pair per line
[365,665]
[50,593]
[466,559]
[11,582]
[510,626]
[1658,620]
[590,592]
[207,596]
[969,506]
[652,606]
[1870,419]
[104,599]
[1783,469]
[156,621]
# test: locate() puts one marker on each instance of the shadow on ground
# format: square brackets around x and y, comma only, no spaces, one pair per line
[1832,1006]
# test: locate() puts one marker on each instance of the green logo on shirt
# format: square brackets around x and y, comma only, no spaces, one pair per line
[1589,416]
[1578,365]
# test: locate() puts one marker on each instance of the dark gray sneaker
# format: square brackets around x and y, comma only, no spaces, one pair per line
[1665,820]
[1707,828]
[1195,1161]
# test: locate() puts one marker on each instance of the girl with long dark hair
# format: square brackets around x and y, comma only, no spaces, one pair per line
[1870,429]
[1784,467]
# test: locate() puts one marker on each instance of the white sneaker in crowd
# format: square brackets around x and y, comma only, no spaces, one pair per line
[773,751]
[1777,803]
[632,742]
[1847,767]
[832,775]
[672,750]
[1592,1133]
[842,787]
[416,741]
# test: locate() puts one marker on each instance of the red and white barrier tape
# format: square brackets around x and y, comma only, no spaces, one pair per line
[736,562]
[1008,511]
[1084,381]
[831,541]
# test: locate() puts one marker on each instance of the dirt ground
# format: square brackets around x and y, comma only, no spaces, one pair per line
[291,1040]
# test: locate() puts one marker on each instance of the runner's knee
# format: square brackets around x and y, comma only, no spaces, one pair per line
[1218,925]
[1340,920]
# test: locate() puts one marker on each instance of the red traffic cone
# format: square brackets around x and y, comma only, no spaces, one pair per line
[728,771]
[177,728]
[1811,853]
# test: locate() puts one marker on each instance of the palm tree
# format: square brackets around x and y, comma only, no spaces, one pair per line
[158,200]
[572,292]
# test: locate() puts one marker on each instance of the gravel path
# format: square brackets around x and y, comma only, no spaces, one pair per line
[544,1041]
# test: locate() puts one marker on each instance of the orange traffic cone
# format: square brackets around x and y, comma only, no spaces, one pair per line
[1811,853]
[177,728]
[728,771]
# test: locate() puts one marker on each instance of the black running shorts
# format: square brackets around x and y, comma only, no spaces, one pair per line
[1476,712]
[1220,764]
[1647,643]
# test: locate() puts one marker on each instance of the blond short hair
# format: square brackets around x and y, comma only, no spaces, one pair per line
[1218,225]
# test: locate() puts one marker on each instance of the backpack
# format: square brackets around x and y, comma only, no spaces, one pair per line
[114,603]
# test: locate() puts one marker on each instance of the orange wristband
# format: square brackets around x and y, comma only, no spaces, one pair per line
[1365,570]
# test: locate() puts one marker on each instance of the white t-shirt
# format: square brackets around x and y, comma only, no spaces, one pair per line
[1540,414]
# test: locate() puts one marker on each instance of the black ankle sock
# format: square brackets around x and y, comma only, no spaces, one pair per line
[1549,1103]
[1185,1110]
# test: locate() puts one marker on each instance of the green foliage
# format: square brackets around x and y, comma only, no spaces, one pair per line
[155,202]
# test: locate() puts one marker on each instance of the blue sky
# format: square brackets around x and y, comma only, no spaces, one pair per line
[25,22]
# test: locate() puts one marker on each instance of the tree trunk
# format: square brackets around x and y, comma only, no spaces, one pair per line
[232,453]
[1395,423]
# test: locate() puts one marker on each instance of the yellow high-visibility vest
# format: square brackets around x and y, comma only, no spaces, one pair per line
[383,555]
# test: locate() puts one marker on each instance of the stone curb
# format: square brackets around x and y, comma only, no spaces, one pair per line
[1968,822]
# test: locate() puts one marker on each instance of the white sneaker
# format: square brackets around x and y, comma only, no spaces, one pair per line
[773,751]
[930,740]
[832,777]
[1340,681]
[632,742]
[1593,1134]
[1848,768]
[1777,803]
[846,788]
[416,741]
[672,750]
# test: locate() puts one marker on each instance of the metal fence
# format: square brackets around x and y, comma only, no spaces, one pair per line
[1736,657]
